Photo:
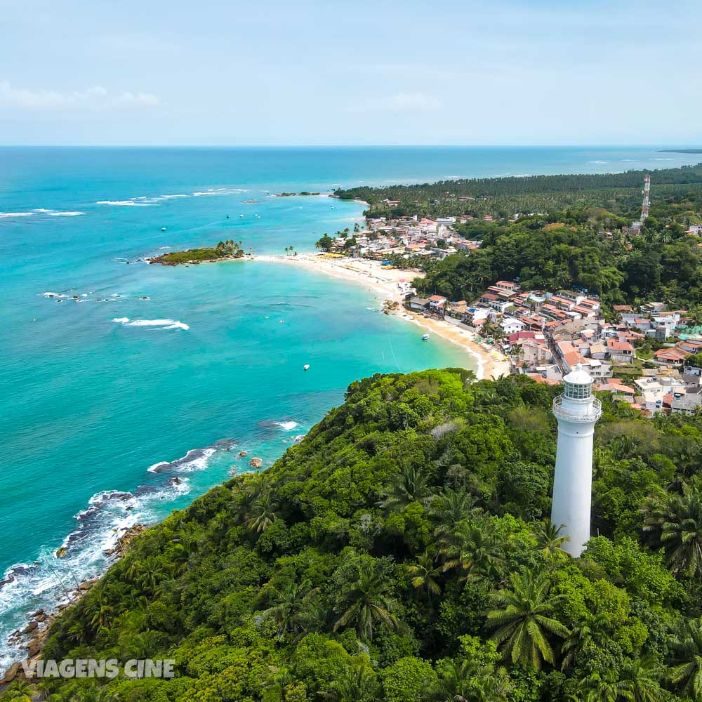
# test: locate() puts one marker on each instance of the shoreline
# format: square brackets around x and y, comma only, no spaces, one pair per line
[384,283]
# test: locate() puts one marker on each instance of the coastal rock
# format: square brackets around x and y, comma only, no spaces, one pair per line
[32,626]
[256,462]
[124,541]
[10,674]
[61,552]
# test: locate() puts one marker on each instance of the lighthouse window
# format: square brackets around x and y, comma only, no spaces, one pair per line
[577,392]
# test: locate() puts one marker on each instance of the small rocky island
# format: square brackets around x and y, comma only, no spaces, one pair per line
[224,250]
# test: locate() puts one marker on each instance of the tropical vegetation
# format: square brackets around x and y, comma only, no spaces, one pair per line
[402,551]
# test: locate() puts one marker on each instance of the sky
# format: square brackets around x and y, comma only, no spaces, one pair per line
[322,72]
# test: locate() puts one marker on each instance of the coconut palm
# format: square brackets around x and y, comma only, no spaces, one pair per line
[291,609]
[449,507]
[640,679]
[473,549]
[687,674]
[409,485]
[366,603]
[262,514]
[424,573]
[550,539]
[357,682]
[464,681]
[524,621]
[598,688]
[676,523]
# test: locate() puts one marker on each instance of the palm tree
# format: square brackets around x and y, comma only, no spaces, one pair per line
[473,549]
[366,603]
[290,611]
[102,613]
[687,674]
[262,513]
[423,574]
[358,682]
[464,681]
[579,638]
[676,523]
[640,678]
[596,688]
[524,620]
[409,485]
[550,539]
[450,507]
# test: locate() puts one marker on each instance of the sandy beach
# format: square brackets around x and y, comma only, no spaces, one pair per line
[384,284]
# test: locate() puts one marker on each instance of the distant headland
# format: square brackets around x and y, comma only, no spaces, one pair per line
[681,151]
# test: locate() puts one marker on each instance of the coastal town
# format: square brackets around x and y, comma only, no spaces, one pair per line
[649,356]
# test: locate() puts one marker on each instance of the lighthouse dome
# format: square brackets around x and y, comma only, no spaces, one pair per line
[578,384]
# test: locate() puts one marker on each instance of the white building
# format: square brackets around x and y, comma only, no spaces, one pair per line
[577,411]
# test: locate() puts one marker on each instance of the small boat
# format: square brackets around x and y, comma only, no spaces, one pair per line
[425,337]
[306,366]
[163,229]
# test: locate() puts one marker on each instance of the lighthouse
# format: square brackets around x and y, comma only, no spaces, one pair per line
[577,412]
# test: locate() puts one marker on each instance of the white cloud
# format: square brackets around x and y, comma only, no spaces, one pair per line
[399,102]
[95,98]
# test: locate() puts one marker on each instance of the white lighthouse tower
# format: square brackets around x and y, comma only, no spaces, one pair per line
[577,411]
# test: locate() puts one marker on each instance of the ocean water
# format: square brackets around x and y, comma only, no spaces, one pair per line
[127,390]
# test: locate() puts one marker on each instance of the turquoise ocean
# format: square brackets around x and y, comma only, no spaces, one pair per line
[127,390]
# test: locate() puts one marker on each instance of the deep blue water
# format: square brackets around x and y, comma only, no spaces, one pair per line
[88,404]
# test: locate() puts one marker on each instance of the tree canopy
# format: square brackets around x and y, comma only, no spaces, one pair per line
[401,552]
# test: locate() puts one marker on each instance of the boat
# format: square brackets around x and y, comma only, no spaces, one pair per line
[425,337]
[306,366]
[163,229]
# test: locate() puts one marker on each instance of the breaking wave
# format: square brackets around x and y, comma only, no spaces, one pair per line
[218,191]
[286,426]
[151,323]
[55,577]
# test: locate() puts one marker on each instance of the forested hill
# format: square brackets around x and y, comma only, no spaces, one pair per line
[503,197]
[401,553]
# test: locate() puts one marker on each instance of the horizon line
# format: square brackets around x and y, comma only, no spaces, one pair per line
[351,146]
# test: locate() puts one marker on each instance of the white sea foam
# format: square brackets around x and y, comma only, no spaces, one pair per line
[41,211]
[58,213]
[53,578]
[123,203]
[194,460]
[286,426]
[151,323]
[218,191]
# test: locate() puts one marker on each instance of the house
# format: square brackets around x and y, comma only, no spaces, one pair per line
[689,345]
[510,325]
[419,304]
[686,402]
[597,369]
[457,309]
[620,351]
[618,390]
[535,352]
[652,394]
[671,357]
[437,304]
[598,350]
[570,355]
